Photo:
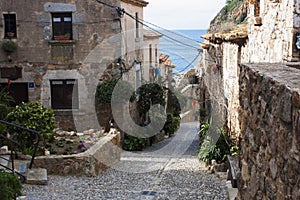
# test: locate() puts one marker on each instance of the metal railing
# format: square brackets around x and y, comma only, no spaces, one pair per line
[16,143]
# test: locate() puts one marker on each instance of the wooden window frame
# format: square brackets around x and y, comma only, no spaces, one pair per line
[137,25]
[64,94]
[10,25]
[62,26]
[257,8]
[150,55]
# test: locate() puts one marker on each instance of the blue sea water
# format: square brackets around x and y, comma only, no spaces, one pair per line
[182,46]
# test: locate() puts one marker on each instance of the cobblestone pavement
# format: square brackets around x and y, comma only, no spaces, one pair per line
[166,170]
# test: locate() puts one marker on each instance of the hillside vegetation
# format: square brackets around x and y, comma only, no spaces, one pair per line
[232,14]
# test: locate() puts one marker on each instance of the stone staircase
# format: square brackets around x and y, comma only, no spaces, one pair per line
[22,166]
[36,176]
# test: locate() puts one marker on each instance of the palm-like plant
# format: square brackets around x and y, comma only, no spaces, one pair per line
[5,100]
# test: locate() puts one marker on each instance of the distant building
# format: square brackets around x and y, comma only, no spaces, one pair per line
[151,56]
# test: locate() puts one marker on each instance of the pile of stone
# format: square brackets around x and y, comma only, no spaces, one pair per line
[89,137]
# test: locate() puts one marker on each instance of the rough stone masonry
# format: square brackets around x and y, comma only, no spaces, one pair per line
[270,137]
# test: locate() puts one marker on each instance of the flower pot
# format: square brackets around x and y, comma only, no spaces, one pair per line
[10,34]
[61,37]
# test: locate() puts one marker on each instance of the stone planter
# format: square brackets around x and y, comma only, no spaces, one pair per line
[92,162]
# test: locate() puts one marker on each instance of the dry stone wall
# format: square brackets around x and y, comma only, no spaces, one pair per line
[270,137]
[103,154]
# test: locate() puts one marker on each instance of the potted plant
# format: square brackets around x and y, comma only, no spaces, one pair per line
[9,46]
[63,37]
[10,34]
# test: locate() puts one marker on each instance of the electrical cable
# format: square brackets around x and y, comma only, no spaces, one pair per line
[122,11]
[173,32]
[179,44]
[160,32]
[185,68]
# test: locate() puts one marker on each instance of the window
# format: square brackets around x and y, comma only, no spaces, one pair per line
[257,8]
[156,55]
[64,94]
[62,26]
[137,25]
[150,55]
[10,27]
[19,92]
[138,76]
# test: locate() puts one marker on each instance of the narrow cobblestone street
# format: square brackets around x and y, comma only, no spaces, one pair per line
[166,170]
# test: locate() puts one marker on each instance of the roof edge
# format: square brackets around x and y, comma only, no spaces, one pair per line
[137,2]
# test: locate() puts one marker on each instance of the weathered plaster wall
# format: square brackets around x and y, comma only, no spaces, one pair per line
[132,42]
[214,85]
[273,41]
[231,60]
[270,138]
[221,81]
[154,42]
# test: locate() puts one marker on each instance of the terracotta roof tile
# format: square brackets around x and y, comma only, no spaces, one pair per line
[237,35]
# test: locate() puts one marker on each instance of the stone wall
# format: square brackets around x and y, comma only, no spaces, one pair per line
[212,85]
[99,157]
[270,137]
[272,40]
[98,41]
[230,65]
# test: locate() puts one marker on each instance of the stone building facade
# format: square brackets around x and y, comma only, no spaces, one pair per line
[63,73]
[259,101]
[269,35]
[151,56]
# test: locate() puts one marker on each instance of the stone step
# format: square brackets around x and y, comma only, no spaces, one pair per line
[37,176]
[19,165]
[4,160]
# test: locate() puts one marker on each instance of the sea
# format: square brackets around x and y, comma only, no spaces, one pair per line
[182,46]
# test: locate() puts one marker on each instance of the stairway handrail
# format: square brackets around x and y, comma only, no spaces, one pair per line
[37,133]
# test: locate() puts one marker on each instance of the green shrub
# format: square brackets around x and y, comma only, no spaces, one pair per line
[172,124]
[150,94]
[203,131]
[5,100]
[5,108]
[9,46]
[212,150]
[10,186]
[34,116]
[103,97]
[105,90]
[132,143]
[208,151]
[176,100]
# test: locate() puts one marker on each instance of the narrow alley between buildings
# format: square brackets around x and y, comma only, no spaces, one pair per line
[166,170]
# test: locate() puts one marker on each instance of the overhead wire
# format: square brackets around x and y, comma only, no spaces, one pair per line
[122,12]
[185,68]
[173,32]
[178,41]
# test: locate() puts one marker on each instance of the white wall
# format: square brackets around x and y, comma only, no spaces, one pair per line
[272,41]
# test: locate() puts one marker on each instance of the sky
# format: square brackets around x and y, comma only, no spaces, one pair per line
[182,14]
